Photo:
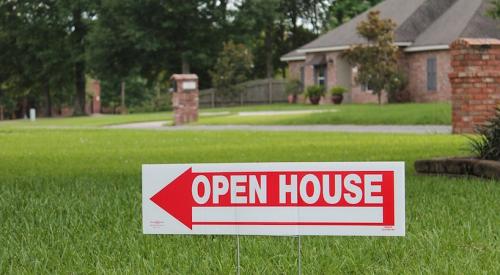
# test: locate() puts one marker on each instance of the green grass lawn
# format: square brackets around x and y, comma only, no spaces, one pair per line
[368,114]
[358,114]
[70,203]
[86,121]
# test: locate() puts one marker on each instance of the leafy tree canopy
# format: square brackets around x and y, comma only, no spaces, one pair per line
[232,68]
[495,10]
[377,61]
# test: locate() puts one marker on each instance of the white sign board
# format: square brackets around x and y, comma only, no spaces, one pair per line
[348,199]
[188,85]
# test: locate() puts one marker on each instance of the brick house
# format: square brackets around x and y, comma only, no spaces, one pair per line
[425,29]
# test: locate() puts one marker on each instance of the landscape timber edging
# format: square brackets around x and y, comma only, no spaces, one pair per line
[459,167]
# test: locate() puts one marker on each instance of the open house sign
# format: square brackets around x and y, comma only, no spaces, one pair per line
[358,199]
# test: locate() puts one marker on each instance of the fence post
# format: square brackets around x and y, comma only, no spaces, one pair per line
[212,98]
[270,89]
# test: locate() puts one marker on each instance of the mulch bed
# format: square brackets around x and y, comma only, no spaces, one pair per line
[459,167]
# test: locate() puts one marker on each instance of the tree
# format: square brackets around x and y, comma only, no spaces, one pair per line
[49,41]
[232,68]
[48,48]
[271,28]
[342,11]
[377,60]
[315,13]
[78,15]
[150,38]
[34,50]
[257,21]
[495,10]
[113,55]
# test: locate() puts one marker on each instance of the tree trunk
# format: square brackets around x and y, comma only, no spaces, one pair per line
[24,109]
[123,108]
[268,44]
[80,89]
[379,97]
[79,48]
[1,112]
[48,96]
[186,68]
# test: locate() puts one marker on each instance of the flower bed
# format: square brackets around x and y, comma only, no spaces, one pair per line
[460,167]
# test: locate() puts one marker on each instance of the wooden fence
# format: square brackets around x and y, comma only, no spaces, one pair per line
[262,91]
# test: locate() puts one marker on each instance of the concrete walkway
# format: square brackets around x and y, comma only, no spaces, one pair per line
[408,129]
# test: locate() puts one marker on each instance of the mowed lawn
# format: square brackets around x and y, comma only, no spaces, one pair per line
[367,114]
[357,114]
[70,202]
[86,121]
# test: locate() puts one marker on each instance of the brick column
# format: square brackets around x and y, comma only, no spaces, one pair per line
[96,98]
[475,82]
[185,98]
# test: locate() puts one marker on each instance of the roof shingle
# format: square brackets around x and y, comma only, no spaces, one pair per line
[420,23]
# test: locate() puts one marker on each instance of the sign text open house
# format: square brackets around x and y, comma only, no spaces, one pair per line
[275,199]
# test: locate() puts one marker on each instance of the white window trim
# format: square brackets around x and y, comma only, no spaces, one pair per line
[343,47]
[427,48]
[298,58]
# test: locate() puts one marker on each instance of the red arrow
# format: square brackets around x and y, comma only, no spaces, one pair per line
[176,198]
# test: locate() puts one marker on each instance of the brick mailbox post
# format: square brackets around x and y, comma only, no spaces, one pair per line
[185,95]
[475,81]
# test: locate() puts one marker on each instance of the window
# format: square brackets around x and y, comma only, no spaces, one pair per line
[366,88]
[320,75]
[432,74]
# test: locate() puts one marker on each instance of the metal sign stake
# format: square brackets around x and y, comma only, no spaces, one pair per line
[238,254]
[300,257]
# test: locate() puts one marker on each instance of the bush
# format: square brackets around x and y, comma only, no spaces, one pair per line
[487,146]
[315,91]
[232,68]
[155,104]
[396,88]
[293,87]
[338,90]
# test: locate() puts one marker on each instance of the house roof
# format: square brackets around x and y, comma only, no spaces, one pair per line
[293,56]
[465,19]
[421,25]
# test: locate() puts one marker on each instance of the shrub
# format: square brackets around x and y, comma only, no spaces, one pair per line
[315,91]
[338,90]
[293,87]
[232,68]
[397,86]
[487,146]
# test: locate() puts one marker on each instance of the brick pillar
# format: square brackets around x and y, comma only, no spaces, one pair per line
[96,98]
[185,98]
[475,81]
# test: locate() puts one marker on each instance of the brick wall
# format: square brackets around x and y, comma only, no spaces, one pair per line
[294,69]
[331,75]
[417,76]
[475,82]
[362,97]
[308,71]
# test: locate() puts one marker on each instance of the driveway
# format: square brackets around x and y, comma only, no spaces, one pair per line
[405,129]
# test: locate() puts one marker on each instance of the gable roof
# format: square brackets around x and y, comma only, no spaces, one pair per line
[421,25]
[293,56]
[465,19]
